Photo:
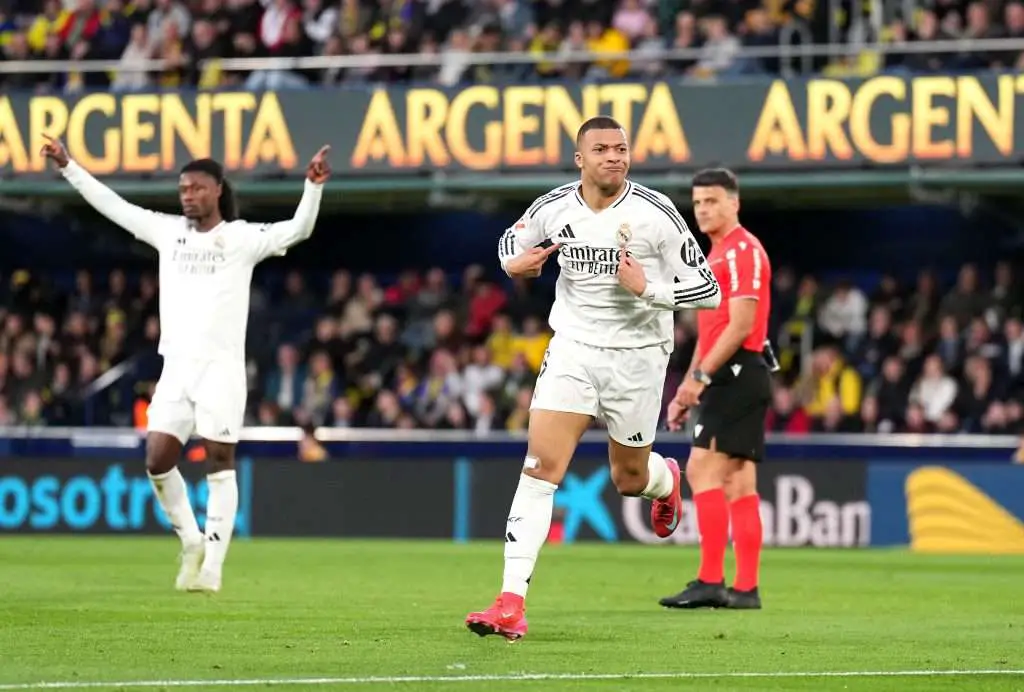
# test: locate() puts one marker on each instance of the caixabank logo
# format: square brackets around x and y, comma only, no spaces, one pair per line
[802,504]
[79,496]
[955,509]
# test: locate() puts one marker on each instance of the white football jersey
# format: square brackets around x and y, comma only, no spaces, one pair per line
[205,277]
[590,306]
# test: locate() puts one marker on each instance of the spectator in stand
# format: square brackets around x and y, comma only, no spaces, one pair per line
[966,300]
[844,315]
[934,391]
[832,379]
[786,415]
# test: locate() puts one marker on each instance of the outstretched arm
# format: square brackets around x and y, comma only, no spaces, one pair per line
[275,239]
[142,223]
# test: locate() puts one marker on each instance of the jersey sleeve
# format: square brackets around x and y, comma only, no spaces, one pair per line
[144,224]
[527,232]
[274,239]
[686,280]
[745,265]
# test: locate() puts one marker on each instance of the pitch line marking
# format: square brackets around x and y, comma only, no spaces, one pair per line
[525,677]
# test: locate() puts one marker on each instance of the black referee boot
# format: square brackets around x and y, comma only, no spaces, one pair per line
[698,594]
[743,600]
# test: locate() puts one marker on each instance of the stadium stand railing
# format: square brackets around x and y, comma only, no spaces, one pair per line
[788,49]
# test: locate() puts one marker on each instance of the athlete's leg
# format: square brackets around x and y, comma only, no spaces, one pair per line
[220,410]
[706,473]
[630,402]
[564,405]
[171,419]
[553,437]
[747,531]
[163,450]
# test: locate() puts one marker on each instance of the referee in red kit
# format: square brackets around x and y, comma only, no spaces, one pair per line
[730,379]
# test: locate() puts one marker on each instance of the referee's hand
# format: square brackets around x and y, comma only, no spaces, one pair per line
[677,415]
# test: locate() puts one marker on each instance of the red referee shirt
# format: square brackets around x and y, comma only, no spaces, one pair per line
[743,271]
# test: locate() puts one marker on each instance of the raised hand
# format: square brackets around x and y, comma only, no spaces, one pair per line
[55,151]
[318,169]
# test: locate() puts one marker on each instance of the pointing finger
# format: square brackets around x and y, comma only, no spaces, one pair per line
[552,248]
[324,150]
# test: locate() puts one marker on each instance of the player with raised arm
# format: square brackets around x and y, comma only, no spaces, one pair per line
[729,378]
[206,260]
[627,261]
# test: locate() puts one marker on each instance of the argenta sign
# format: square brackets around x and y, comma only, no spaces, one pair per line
[755,125]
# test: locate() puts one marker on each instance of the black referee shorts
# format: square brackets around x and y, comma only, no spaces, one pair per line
[733,407]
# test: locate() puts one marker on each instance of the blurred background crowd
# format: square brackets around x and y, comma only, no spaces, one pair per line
[191,36]
[429,350]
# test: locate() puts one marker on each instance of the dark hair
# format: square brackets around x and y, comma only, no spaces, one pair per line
[717,177]
[599,122]
[227,204]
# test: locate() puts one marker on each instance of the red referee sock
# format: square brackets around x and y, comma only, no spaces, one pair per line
[713,522]
[747,535]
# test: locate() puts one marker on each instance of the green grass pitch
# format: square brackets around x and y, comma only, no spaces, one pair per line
[388,615]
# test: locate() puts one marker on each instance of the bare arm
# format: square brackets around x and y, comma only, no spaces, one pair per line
[742,312]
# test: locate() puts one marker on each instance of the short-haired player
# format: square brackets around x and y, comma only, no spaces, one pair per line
[627,262]
[729,377]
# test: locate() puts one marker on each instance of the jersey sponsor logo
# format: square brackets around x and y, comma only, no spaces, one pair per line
[197,262]
[691,255]
[591,260]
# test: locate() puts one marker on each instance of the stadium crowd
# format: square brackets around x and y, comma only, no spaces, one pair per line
[191,35]
[423,351]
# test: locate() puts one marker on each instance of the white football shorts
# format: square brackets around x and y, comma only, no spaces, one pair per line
[207,397]
[621,386]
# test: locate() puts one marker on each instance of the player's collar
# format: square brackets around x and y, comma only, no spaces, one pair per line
[627,189]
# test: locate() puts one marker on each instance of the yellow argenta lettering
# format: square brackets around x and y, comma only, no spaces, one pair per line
[927,115]
[177,124]
[519,124]
[485,127]
[889,119]
[829,103]
[380,138]
[108,158]
[46,115]
[12,146]
[148,133]
[778,130]
[137,131]
[861,133]
[269,140]
[660,133]
[997,120]
[486,98]
[425,117]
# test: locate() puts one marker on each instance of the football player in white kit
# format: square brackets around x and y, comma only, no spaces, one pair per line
[207,257]
[627,261]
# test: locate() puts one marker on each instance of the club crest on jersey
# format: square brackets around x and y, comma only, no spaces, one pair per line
[218,242]
[624,234]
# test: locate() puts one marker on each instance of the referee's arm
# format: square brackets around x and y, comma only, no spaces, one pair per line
[742,315]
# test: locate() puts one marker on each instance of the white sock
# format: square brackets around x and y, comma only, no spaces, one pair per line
[529,521]
[172,494]
[221,508]
[659,481]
